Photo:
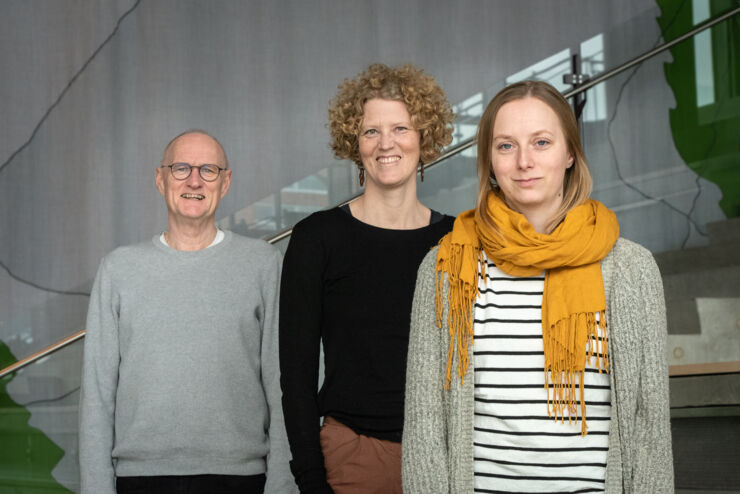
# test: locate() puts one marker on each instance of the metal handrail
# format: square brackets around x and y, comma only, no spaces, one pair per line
[463,145]
[43,353]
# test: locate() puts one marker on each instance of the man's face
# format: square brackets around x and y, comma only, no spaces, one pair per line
[193,199]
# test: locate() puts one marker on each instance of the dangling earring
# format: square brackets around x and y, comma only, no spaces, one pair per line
[421,166]
[492,181]
[362,176]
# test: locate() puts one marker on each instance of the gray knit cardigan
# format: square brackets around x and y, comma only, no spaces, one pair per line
[438,424]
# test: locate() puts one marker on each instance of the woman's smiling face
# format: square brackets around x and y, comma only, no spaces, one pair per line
[389,144]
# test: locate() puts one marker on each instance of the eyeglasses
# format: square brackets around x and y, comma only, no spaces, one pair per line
[181,171]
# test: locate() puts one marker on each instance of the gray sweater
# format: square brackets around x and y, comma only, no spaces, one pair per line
[438,425]
[181,372]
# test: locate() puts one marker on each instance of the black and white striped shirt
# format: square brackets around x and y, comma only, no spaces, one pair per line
[517,446]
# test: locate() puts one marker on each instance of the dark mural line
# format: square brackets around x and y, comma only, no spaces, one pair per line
[68,86]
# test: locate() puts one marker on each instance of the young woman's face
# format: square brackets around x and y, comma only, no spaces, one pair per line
[529,156]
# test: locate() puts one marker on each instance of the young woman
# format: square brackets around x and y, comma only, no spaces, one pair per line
[537,348]
[348,281]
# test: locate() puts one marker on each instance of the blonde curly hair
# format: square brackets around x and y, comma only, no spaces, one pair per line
[425,101]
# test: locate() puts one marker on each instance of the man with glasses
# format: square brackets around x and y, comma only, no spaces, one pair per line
[181,387]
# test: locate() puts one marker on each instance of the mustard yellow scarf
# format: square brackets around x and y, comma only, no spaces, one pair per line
[573,293]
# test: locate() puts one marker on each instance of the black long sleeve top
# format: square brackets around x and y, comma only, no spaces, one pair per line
[349,285]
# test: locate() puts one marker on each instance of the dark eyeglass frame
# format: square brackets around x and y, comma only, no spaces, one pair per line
[190,170]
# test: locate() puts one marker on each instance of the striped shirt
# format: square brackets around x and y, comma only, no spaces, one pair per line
[517,446]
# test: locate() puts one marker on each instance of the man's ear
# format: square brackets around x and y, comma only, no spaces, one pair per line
[225,182]
[159,179]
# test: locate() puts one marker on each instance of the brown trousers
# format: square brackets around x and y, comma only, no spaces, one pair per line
[357,464]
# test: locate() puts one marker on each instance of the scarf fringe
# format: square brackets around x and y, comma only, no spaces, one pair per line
[461,297]
[565,369]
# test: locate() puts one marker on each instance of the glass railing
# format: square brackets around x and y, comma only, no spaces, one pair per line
[660,156]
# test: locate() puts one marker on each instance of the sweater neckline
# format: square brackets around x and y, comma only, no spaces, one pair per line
[195,254]
[384,231]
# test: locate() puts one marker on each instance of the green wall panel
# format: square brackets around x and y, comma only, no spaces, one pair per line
[27,455]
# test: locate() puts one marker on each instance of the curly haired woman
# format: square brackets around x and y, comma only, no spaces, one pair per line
[348,281]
